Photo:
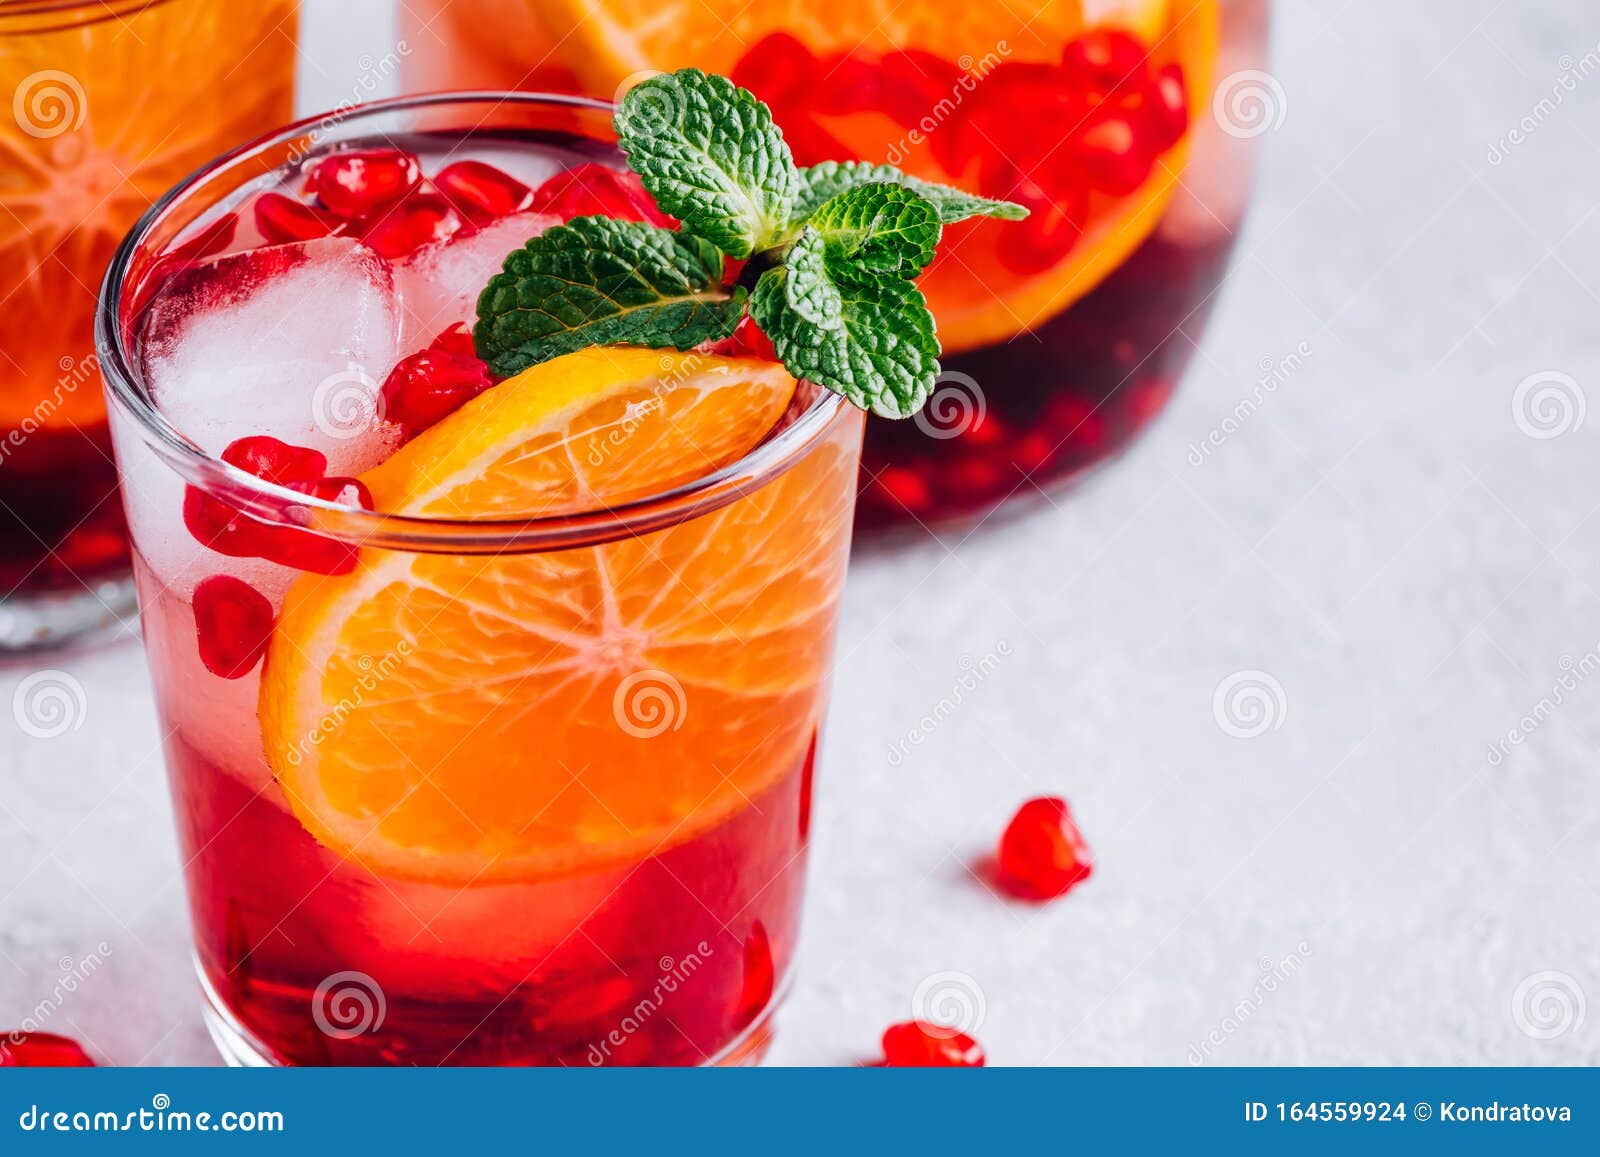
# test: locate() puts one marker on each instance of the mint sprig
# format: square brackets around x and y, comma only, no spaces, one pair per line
[831,253]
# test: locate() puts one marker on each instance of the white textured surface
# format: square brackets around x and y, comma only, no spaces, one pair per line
[1380,537]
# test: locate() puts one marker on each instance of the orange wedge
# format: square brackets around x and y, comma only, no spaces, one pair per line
[108,109]
[460,719]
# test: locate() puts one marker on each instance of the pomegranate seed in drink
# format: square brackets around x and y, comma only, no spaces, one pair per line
[1101,60]
[362,182]
[455,340]
[430,385]
[480,192]
[1167,107]
[1042,853]
[421,219]
[1113,154]
[274,459]
[282,219]
[232,622]
[756,992]
[592,188]
[918,1044]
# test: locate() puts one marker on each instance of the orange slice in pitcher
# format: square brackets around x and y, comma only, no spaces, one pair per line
[465,718]
[978,296]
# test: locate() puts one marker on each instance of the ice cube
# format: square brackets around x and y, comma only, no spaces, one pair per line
[440,283]
[289,340]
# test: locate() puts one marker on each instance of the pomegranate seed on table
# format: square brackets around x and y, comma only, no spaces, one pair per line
[421,219]
[281,219]
[430,385]
[593,189]
[918,1044]
[362,182]
[1167,107]
[232,623]
[1042,853]
[480,192]
[1103,59]
[41,1050]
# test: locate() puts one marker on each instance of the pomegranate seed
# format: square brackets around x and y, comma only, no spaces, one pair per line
[456,340]
[912,83]
[232,622]
[1100,60]
[776,67]
[1054,223]
[1042,854]
[362,182]
[747,341]
[906,487]
[431,385]
[756,991]
[216,525]
[275,460]
[1167,107]
[986,430]
[480,192]
[280,219]
[419,220]
[592,189]
[1113,154]
[853,85]
[916,1044]
[1032,451]
[41,1050]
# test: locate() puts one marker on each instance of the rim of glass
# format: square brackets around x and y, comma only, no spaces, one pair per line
[127,392]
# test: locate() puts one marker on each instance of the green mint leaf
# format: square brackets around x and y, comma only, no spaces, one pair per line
[599,281]
[870,339]
[711,156]
[822,182]
[878,228]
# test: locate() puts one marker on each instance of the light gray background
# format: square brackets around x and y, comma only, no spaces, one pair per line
[1382,539]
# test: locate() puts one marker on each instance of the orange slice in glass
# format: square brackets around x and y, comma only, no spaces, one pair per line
[466,718]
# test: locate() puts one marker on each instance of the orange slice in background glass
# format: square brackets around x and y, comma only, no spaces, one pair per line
[597,46]
[466,718]
[101,111]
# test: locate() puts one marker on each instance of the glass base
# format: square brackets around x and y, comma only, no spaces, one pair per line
[31,622]
[241,1051]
